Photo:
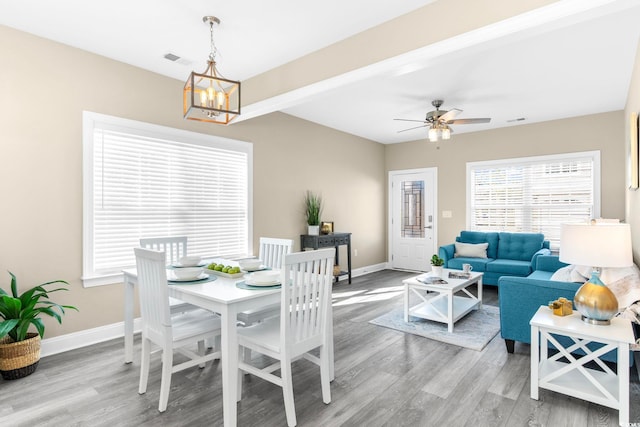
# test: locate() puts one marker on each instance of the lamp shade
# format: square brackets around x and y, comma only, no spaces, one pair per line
[596,244]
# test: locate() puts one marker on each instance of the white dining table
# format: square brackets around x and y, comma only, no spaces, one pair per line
[220,296]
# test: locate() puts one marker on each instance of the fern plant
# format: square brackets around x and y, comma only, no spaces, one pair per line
[19,311]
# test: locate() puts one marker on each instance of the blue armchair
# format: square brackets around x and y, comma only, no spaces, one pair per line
[520,297]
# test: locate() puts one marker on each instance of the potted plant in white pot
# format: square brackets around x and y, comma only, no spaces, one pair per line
[313,209]
[20,348]
[436,265]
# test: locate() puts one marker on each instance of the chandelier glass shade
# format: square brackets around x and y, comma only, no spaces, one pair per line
[209,97]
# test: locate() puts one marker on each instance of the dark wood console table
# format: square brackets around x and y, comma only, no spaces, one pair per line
[327,241]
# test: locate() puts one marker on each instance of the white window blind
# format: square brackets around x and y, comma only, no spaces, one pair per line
[152,181]
[534,194]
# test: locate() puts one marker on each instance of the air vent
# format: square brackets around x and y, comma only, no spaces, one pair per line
[171,57]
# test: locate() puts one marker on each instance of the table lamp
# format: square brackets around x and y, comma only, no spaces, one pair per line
[596,245]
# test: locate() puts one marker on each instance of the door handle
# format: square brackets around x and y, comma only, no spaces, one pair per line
[429,226]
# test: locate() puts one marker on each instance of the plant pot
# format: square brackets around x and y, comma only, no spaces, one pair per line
[436,270]
[313,230]
[19,359]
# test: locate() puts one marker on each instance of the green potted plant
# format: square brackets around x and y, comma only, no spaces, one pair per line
[20,348]
[436,265]
[313,209]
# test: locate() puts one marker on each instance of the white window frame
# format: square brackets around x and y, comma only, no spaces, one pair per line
[593,155]
[91,121]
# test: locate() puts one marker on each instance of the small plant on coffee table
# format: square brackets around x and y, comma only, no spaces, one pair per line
[436,261]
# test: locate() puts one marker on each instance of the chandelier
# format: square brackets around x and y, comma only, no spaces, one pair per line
[208,96]
[439,130]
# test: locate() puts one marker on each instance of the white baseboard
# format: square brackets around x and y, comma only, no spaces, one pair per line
[87,337]
[368,269]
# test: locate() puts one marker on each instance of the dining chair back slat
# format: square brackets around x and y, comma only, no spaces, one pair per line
[174,247]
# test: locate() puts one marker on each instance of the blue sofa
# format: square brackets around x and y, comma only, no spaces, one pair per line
[507,254]
[520,298]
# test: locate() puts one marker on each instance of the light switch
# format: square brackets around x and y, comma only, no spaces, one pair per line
[446,214]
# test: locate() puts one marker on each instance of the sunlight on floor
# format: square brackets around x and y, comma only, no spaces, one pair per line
[363,296]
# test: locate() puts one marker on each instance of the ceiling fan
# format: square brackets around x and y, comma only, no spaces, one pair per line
[439,120]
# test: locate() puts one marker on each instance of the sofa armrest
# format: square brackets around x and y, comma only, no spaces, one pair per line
[447,252]
[534,258]
[519,299]
[550,263]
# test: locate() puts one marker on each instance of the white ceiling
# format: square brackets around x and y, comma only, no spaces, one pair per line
[574,59]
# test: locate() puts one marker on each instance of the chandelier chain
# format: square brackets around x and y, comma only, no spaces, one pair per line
[214,49]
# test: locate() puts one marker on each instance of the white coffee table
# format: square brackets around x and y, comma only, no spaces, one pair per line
[604,387]
[438,302]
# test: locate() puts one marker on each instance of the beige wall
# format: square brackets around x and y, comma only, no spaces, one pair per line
[633,196]
[561,136]
[45,86]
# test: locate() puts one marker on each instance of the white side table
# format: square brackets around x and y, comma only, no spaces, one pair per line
[574,379]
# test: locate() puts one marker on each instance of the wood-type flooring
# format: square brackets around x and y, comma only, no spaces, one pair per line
[382,378]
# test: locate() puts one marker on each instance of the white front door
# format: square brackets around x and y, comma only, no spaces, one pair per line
[412,201]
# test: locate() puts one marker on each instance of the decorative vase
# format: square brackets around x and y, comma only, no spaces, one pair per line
[595,301]
[313,230]
[19,359]
[436,270]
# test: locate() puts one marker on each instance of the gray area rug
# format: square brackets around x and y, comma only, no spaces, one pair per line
[473,331]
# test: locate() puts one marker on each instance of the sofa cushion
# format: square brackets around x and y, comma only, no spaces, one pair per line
[473,250]
[519,246]
[478,264]
[510,267]
[489,237]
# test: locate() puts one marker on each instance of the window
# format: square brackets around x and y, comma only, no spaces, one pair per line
[143,180]
[533,194]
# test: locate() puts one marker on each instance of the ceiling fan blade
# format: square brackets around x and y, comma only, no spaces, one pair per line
[449,115]
[468,121]
[417,127]
[410,120]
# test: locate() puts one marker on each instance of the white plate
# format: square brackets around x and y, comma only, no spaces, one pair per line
[201,276]
[264,277]
[251,283]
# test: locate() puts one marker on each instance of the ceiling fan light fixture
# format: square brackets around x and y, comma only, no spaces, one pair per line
[446,132]
[433,134]
[208,96]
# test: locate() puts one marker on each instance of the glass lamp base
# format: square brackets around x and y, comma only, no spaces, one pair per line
[597,304]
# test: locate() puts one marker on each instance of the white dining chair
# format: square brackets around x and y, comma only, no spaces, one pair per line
[272,253]
[303,326]
[175,246]
[169,332]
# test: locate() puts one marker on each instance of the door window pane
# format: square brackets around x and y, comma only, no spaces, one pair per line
[412,193]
